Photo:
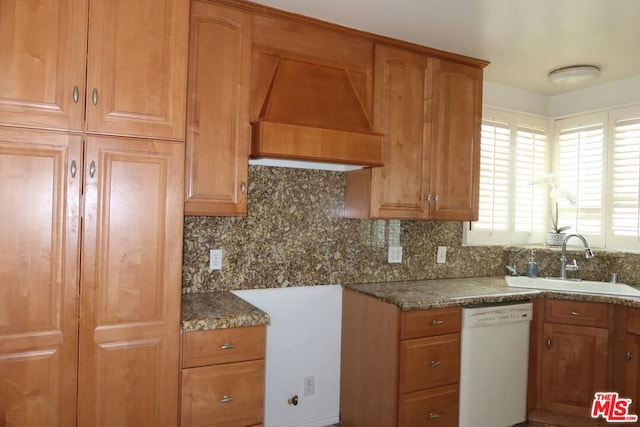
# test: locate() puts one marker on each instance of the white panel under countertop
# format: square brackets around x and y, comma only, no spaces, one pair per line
[303,340]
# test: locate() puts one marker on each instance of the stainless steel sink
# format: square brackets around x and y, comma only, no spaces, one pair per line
[583,286]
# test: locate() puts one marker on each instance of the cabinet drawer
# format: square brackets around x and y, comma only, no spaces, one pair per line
[429,362]
[216,346]
[426,323]
[433,407]
[580,313]
[223,395]
[633,321]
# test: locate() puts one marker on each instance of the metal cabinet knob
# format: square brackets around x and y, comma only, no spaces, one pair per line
[227,346]
[94,96]
[576,313]
[76,94]
[435,363]
[226,399]
[434,415]
[629,355]
[436,322]
[548,343]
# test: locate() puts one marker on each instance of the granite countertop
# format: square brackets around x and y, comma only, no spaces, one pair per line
[217,310]
[425,294]
[221,309]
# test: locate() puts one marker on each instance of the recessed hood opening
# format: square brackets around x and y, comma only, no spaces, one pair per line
[312,112]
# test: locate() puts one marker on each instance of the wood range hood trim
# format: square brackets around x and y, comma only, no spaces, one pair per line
[313,113]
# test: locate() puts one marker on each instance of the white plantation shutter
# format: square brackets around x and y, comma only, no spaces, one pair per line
[511,209]
[530,163]
[580,164]
[624,232]
[494,177]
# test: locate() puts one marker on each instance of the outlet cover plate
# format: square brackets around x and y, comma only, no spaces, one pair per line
[395,255]
[215,259]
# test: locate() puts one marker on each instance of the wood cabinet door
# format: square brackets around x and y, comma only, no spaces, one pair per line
[42,63]
[455,138]
[402,114]
[137,67]
[218,132]
[574,367]
[39,226]
[632,373]
[131,283]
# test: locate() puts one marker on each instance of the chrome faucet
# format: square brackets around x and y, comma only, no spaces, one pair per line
[588,253]
[513,268]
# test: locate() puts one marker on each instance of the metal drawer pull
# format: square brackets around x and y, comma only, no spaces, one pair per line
[92,169]
[226,399]
[227,346]
[435,363]
[576,313]
[74,168]
[629,355]
[434,415]
[548,343]
[94,96]
[76,94]
[436,322]
[243,187]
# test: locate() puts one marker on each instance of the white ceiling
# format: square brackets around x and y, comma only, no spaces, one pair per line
[523,39]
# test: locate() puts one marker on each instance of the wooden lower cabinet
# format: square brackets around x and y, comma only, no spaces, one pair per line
[223,377]
[89,297]
[398,368]
[632,355]
[571,353]
[39,235]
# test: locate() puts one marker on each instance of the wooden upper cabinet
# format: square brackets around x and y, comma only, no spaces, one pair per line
[42,63]
[401,83]
[131,276]
[136,74]
[455,138]
[137,67]
[40,181]
[218,132]
[430,111]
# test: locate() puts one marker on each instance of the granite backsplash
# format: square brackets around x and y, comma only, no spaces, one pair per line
[294,235]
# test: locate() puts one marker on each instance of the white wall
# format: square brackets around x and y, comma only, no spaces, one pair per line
[615,94]
[303,340]
[620,93]
[505,97]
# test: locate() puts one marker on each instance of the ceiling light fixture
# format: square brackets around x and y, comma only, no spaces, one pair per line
[574,74]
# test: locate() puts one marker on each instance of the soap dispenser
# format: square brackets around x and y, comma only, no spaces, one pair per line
[532,266]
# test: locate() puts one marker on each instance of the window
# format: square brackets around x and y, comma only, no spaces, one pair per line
[579,162]
[624,177]
[513,153]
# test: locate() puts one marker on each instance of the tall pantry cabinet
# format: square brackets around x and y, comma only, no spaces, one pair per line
[92,113]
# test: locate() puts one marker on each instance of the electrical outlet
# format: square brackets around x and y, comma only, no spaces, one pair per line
[395,255]
[309,386]
[441,257]
[215,259]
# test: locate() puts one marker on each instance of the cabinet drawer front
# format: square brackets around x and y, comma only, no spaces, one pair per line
[229,395]
[433,407]
[581,313]
[215,346]
[429,362]
[633,321]
[426,323]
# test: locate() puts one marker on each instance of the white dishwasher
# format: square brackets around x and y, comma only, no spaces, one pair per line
[494,364]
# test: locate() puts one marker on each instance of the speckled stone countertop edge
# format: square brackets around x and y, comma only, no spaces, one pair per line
[219,310]
[442,293]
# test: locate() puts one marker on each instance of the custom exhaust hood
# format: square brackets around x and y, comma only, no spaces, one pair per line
[313,113]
